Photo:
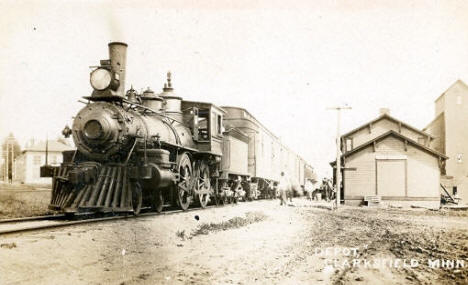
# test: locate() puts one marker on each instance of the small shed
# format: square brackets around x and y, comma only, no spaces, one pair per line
[395,168]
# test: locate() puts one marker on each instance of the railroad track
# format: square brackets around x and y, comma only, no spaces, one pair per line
[21,225]
[36,218]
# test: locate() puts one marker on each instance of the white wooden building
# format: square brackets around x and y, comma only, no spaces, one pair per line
[34,156]
[393,161]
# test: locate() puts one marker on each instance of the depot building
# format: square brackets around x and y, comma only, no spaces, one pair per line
[392,161]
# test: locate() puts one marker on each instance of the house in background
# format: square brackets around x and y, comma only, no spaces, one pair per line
[392,160]
[450,131]
[34,156]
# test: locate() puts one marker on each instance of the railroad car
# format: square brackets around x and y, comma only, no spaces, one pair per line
[158,150]
[267,155]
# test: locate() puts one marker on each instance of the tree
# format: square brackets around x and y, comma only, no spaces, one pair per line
[11,140]
[8,155]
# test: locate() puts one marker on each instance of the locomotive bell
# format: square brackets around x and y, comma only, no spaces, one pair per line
[132,95]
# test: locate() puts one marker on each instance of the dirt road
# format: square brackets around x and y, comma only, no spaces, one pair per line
[251,243]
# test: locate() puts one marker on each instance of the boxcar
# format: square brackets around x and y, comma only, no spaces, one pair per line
[267,156]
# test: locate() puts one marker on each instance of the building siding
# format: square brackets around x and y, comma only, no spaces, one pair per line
[457,136]
[360,182]
[423,174]
[439,105]
[453,133]
[379,128]
[437,129]
[421,170]
[30,162]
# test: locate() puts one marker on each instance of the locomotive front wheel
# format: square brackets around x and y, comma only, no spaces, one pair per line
[137,198]
[204,186]
[184,196]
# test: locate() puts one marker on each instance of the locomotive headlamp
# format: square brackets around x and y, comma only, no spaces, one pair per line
[100,78]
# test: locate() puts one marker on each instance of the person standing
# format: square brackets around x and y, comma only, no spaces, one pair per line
[309,188]
[283,186]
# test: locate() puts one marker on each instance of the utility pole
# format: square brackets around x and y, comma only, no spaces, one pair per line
[5,164]
[13,174]
[338,151]
[7,161]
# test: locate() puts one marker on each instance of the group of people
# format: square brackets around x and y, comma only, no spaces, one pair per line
[312,189]
[326,191]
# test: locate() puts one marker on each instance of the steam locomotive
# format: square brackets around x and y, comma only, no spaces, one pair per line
[157,150]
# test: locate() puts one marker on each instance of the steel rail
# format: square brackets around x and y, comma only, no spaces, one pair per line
[34,218]
[94,220]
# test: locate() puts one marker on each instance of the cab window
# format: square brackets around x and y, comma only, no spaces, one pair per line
[220,125]
[203,125]
[217,125]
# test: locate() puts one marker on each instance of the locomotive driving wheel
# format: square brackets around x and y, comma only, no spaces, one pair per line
[158,201]
[184,191]
[137,198]
[204,185]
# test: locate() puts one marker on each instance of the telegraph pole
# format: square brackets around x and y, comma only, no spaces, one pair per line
[9,164]
[6,162]
[338,152]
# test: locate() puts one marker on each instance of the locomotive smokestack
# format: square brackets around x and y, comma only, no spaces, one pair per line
[118,60]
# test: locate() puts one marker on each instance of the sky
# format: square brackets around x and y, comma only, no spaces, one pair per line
[286,62]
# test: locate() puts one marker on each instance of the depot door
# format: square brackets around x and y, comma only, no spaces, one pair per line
[391,177]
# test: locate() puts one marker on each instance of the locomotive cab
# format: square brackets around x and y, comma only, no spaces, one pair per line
[206,124]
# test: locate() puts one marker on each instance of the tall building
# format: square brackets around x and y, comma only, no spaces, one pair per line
[34,156]
[450,131]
